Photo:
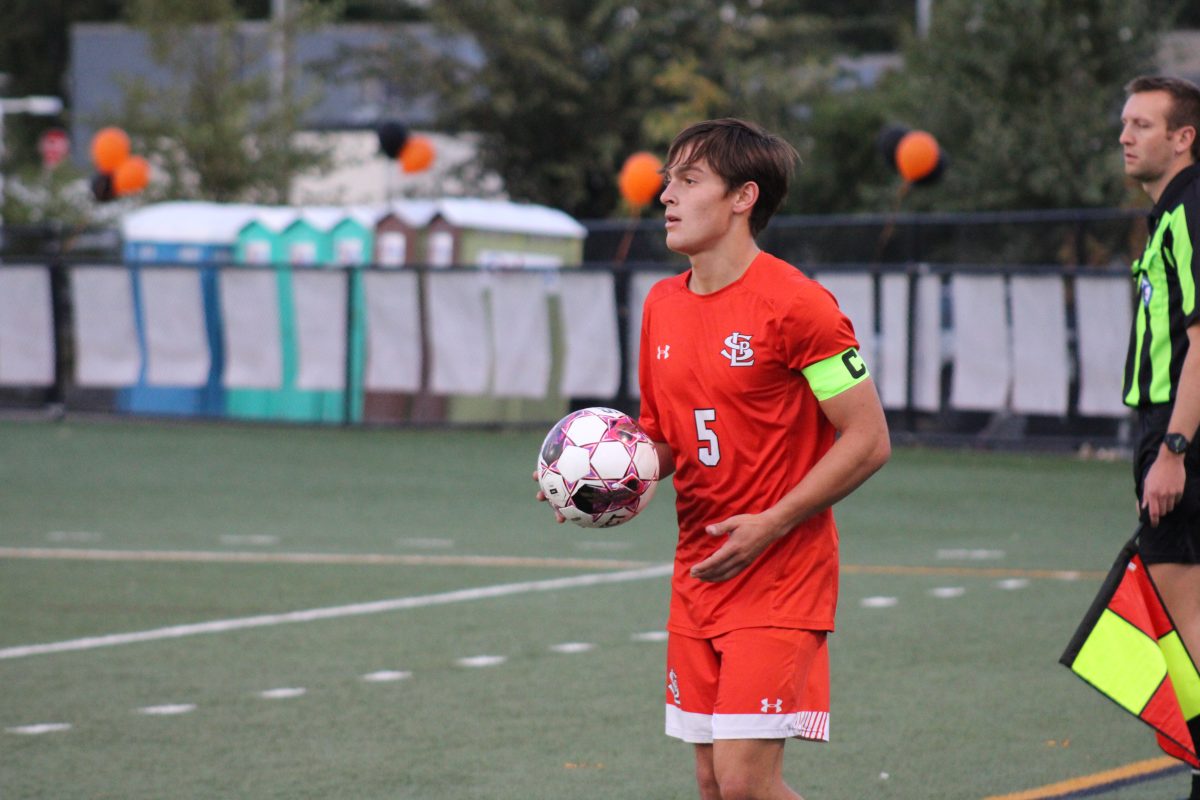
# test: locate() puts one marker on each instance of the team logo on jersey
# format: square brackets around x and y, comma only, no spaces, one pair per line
[738,350]
[664,351]
[777,706]
[1147,291]
[673,685]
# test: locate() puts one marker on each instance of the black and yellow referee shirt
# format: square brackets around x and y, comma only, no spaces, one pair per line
[1165,278]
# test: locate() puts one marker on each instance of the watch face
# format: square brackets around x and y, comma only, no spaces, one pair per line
[1176,442]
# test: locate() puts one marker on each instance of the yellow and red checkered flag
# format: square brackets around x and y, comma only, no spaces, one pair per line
[1127,648]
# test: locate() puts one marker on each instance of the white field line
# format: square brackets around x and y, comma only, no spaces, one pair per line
[243,557]
[336,612]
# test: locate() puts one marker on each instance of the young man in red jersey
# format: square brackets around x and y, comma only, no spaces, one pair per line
[757,399]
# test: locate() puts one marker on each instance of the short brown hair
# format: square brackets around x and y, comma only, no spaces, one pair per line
[740,152]
[1185,102]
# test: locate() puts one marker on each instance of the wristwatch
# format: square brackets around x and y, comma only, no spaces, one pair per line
[1177,443]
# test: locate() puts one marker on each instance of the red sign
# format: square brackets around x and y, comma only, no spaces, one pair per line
[54,145]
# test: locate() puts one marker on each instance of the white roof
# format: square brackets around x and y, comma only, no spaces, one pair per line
[187,222]
[508,217]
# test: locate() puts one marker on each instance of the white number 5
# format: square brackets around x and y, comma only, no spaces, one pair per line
[710,453]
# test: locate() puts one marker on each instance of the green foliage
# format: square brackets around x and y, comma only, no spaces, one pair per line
[567,91]
[1024,96]
[220,129]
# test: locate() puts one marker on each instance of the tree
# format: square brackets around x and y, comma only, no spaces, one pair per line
[565,90]
[1024,96]
[221,128]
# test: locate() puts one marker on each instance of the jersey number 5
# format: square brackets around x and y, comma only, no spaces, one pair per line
[710,451]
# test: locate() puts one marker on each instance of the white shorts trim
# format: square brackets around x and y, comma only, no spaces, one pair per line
[704,728]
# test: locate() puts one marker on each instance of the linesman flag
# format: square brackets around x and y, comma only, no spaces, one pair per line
[1127,648]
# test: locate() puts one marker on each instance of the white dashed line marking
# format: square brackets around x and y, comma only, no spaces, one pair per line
[37,730]
[385,676]
[947,592]
[167,710]
[283,693]
[481,661]
[1012,583]
[572,647]
[650,636]
[878,602]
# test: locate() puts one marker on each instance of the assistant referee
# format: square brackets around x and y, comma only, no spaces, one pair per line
[1159,140]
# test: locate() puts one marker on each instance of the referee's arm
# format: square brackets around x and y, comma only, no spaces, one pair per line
[1164,482]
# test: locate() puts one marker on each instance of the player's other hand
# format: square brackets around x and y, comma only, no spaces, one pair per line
[749,535]
[541,498]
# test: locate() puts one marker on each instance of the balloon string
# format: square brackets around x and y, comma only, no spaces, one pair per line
[627,239]
[890,228]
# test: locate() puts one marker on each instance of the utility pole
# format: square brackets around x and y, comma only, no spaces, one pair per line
[924,17]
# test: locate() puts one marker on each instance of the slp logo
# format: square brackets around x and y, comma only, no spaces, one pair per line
[1147,291]
[777,706]
[673,685]
[854,363]
[664,351]
[739,352]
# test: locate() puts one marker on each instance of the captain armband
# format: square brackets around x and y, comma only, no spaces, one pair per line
[834,375]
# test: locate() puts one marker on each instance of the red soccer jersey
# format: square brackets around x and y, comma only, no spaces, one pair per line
[721,384]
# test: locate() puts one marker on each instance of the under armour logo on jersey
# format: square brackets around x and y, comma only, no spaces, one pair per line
[664,351]
[739,352]
[1147,291]
[777,706]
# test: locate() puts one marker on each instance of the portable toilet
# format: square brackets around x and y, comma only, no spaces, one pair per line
[400,233]
[260,244]
[177,312]
[399,243]
[498,235]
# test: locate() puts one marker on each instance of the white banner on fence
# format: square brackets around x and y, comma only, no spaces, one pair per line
[639,286]
[1041,370]
[982,369]
[927,344]
[173,319]
[319,299]
[520,335]
[592,361]
[26,327]
[460,350]
[393,332]
[250,315]
[106,345]
[1102,321]
[855,294]
[890,369]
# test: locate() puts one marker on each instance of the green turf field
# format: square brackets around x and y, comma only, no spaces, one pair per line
[213,538]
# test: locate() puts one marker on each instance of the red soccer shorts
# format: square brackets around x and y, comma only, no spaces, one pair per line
[751,683]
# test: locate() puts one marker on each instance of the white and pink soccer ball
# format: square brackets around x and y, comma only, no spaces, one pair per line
[597,467]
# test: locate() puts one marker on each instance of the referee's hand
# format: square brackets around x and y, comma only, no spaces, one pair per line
[1163,487]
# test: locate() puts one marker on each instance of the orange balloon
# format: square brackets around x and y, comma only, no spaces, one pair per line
[640,180]
[131,176]
[417,154]
[110,147]
[917,155]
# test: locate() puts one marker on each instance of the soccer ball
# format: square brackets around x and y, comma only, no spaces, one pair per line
[597,467]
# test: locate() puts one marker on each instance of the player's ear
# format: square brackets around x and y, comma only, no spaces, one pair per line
[744,197]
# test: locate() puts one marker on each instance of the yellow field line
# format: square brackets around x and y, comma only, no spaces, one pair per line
[241,557]
[973,572]
[209,556]
[1138,769]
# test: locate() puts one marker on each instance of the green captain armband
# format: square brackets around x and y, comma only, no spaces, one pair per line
[836,374]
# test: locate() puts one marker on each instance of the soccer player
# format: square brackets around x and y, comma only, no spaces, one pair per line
[1161,146]
[756,397]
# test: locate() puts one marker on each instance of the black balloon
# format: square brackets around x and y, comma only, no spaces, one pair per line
[392,138]
[888,140]
[102,187]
